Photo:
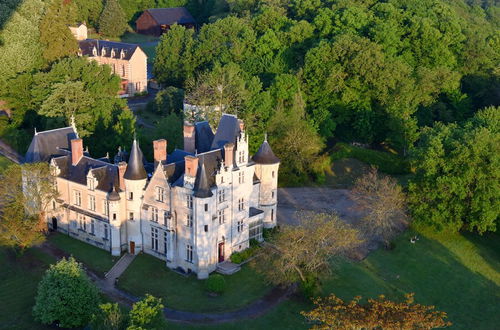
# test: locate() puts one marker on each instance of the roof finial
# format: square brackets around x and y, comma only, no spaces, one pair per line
[107,154]
[87,149]
[135,136]
[72,122]
[36,131]
[265,136]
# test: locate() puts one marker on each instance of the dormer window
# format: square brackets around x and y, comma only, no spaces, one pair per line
[112,52]
[103,51]
[91,181]
[79,52]
[122,54]
[94,51]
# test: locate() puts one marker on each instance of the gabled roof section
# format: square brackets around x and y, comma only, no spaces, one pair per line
[48,144]
[135,167]
[87,47]
[265,155]
[201,185]
[204,136]
[169,16]
[227,132]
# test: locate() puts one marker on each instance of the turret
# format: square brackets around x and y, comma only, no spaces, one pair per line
[135,178]
[266,170]
[113,209]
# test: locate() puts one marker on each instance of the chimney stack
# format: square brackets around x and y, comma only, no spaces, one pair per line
[76,151]
[229,154]
[122,167]
[242,125]
[191,166]
[160,151]
[189,138]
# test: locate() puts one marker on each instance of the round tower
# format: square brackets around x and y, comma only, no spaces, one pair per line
[266,170]
[114,221]
[135,178]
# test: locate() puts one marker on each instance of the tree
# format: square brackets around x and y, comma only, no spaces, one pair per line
[333,313]
[26,193]
[169,100]
[457,181]
[383,201]
[65,295]
[112,22]
[298,252]
[108,317]
[147,314]
[88,11]
[174,61]
[54,33]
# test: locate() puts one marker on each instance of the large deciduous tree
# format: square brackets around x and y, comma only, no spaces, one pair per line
[383,201]
[112,22]
[108,317]
[457,182]
[66,295]
[298,252]
[26,194]
[55,35]
[333,313]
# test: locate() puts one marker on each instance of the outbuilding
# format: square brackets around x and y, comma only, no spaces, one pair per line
[157,21]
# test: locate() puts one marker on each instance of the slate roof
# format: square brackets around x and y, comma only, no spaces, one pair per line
[254,211]
[48,144]
[227,132]
[169,16]
[88,45]
[106,174]
[135,167]
[201,186]
[265,155]
[204,136]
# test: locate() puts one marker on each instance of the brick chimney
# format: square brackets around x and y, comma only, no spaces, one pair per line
[229,154]
[160,151]
[76,151]
[191,166]
[189,137]
[122,167]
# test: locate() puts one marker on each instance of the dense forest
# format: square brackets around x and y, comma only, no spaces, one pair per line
[410,77]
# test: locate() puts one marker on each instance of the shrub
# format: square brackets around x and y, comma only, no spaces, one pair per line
[310,287]
[239,257]
[384,161]
[215,284]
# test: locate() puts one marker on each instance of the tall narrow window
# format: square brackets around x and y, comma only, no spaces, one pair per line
[241,177]
[105,231]
[105,207]
[165,218]
[222,216]
[154,238]
[131,196]
[114,216]
[154,214]
[272,215]
[53,205]
[160,193]
[189,200]
[206,228]
[123,70]
[222,195]
[92,227]
[77,198]
[91,202]
[189,253]
[91,183]
[241,204]
[131,216]
[241,157]
[206,207]
[240,226]
[189,220]
[273,174]
[165,242]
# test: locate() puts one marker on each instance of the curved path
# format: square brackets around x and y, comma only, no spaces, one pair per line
[255,309]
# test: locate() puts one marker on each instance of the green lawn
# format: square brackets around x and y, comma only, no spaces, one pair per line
[98,260]
[19,277]
[150,275]
[459,274]
[4,163]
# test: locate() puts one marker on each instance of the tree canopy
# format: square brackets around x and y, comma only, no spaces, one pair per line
[112,22]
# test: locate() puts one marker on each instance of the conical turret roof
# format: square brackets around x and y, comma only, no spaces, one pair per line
[135,167]
[265,154]
[201,186]
[114,196]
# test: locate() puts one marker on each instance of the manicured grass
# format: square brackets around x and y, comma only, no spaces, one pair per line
[147,274]
[136,38]
[98,260]
[4,163]
[386,162]
[19,277]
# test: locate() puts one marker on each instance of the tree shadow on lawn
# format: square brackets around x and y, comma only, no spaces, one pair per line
[432,272]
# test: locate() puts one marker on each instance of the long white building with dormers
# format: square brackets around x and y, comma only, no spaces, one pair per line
[192,208]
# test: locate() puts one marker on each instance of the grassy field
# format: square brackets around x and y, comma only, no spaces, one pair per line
[459,274]
[98,260]
[149,275]
[19,277]
[4,162]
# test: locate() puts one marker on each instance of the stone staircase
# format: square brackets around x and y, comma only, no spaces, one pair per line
[227,268]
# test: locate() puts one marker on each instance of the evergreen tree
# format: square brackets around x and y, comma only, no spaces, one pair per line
[54,32]
[112,22]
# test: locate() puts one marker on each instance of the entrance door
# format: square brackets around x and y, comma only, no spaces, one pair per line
[132,247]
[54,223]
[221,252]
